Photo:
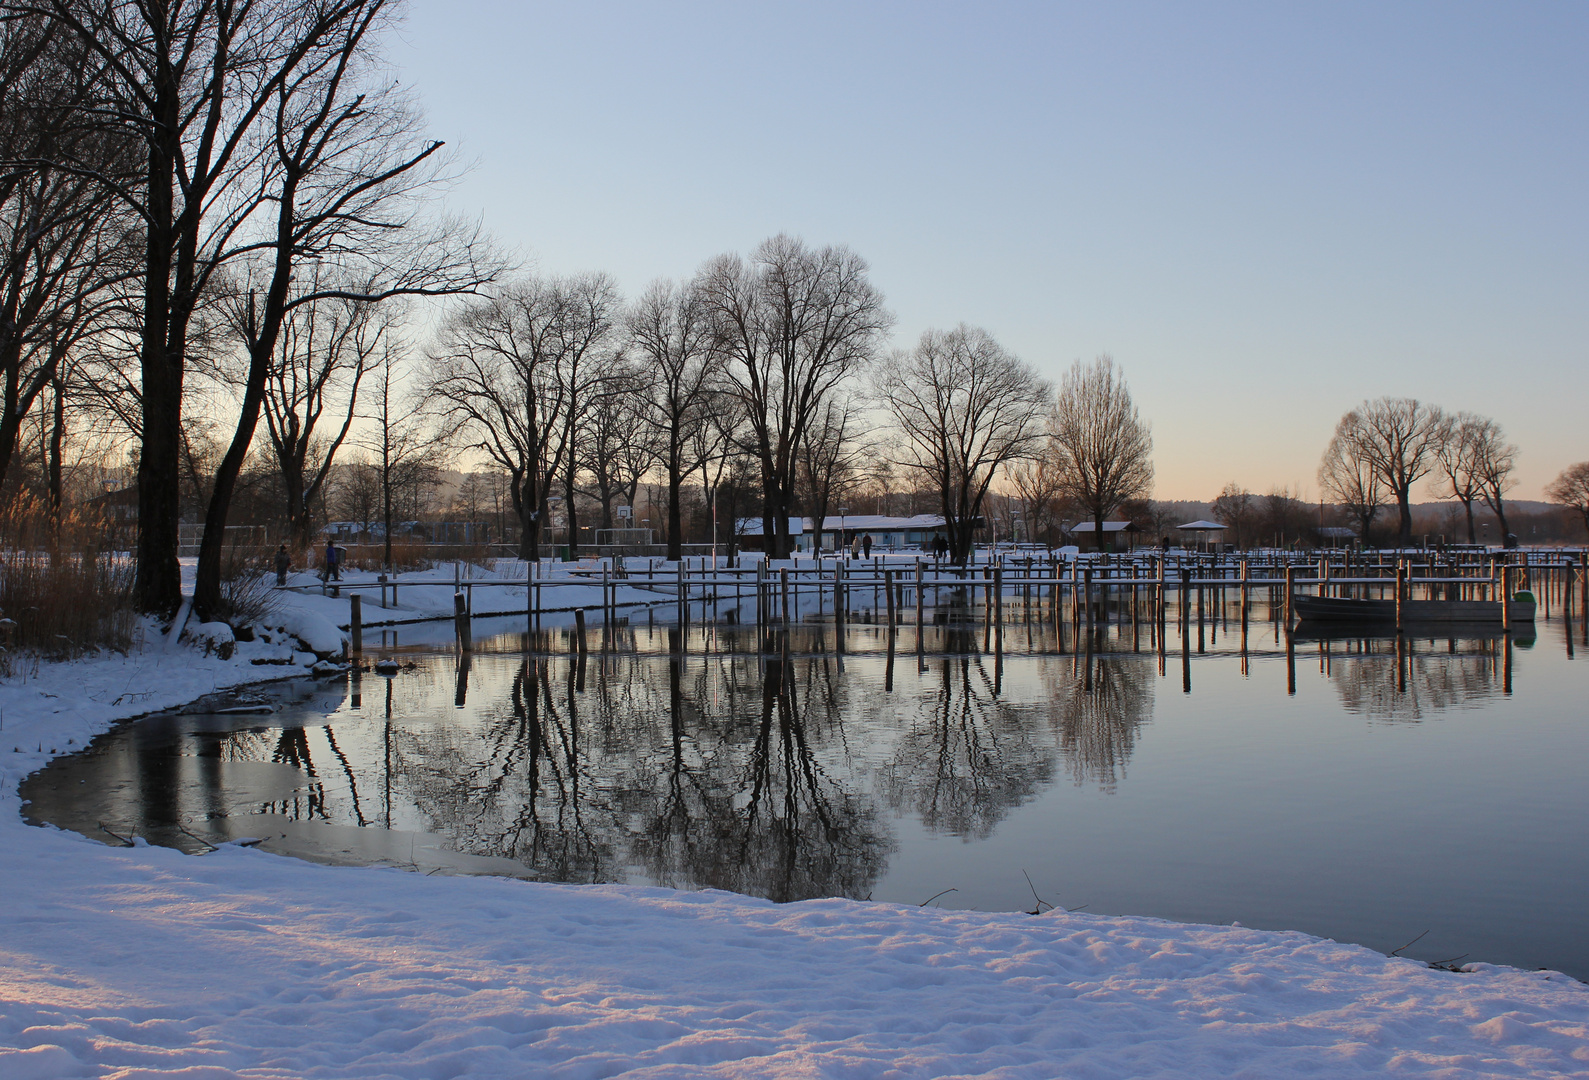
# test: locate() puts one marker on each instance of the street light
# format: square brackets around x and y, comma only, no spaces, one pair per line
[843,513]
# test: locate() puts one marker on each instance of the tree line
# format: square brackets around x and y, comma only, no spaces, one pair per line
[219,235]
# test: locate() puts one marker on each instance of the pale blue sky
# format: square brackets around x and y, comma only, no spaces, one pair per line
[1265,212]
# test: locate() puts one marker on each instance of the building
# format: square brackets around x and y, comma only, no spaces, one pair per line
[837,531]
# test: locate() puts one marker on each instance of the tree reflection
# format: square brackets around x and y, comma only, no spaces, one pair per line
[967,757]
[750,807]
[1098,715]
[1377,679]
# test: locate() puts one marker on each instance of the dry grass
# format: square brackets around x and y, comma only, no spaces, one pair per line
[60,596]
[407,554]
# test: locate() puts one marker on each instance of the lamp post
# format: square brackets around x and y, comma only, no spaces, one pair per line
[843,513]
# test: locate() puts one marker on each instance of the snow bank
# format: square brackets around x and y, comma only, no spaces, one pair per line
[142,963]
[318,633]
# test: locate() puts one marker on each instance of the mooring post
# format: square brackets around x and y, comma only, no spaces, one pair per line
[356,622]
[1291,573]
[580,646]
[888,587]
[839,604]
[1088,587]
[460,621]
[1401,592]
[1506,598]
[919,605]
[783,595]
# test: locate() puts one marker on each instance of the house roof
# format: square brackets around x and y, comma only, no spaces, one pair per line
[1108,527]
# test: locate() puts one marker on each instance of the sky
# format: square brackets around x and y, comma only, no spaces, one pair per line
[1265,213]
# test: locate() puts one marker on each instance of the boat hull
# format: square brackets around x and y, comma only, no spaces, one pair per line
[1423,612]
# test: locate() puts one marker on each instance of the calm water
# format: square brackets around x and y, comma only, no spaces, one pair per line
[1387,796]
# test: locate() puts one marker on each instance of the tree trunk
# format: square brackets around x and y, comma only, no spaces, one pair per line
[57,437]
[157,582]
[1404,505]
[675,514]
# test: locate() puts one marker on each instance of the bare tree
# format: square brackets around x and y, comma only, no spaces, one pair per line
[517,373]
[670,329]
[324,351]
[1349,479]
[1494,460]
[1571,489]
[792,324]
[1459,456]
[962,407]
[64,239]
[617,449]
[396,439]
[192,79]
[1233,507]
[1105,449]
[348,170]
[1036,483]
[830,457]
[1398,438]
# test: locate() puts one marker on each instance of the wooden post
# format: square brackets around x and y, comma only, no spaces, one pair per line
[839,604]
[1088,590]
[998,607]
[460,622]
[356,622]
[1290,588]
[919,605]
[580,646]
[1506,598]
[1401,592]
[888,587]
[783,582]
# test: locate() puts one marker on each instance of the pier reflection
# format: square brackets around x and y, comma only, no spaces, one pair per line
[775,765]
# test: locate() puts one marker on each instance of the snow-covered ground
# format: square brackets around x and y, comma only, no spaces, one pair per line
[142,962]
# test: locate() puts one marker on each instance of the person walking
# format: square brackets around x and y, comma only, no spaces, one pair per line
[866,545]
[283,564]
[333,571]
[855,547]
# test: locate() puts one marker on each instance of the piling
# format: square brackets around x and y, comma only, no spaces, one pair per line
[1290,590]
[1401,593]
[356,623]
[783,588]
[920,602]
[580,645]
[460,621]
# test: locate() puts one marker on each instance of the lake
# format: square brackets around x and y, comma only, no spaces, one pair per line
[1430,793]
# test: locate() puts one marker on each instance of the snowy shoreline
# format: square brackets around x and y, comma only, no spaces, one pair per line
[143,962]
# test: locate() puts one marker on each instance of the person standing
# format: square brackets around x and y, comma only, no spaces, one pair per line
[333,571]
[855,547]
[866,545]
[283,564]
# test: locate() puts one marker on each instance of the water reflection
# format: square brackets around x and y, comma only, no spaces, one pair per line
[1392,680]
[780,766]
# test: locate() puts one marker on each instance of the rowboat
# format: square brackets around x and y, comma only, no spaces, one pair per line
[1334,609]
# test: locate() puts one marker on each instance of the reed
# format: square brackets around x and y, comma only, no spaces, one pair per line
[60,595]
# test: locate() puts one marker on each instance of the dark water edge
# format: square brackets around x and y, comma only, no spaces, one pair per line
[1396,791]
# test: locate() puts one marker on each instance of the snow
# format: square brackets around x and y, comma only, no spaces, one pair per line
[139,962]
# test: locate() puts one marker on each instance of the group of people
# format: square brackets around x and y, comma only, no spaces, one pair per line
[861,546]
[330,571]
